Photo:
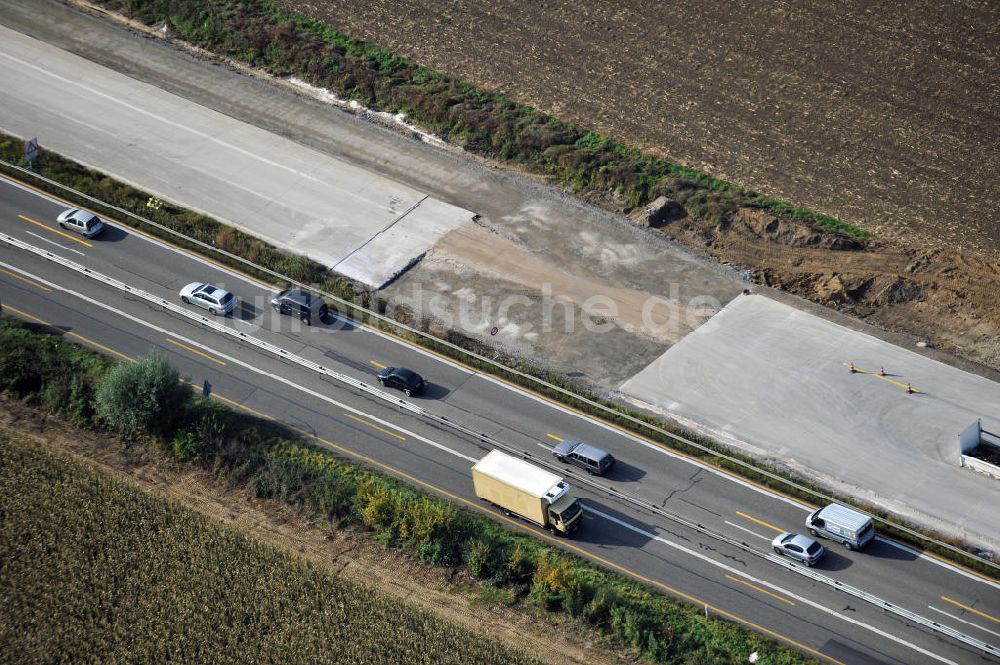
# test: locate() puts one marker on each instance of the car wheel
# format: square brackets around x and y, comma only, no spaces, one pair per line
[590,471]
[560,458]
[848,545]
[812,532]
[211,310]
[62,226]
[407,392]
[777,550]
[381,382]
[185,300]
[551,530]
[306,320]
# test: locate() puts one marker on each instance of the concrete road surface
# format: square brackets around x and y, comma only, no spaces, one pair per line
[775,379]
[361,224]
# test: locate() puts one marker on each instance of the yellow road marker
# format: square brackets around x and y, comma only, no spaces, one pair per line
[761,522]
[195,351]
[857,370]
[376,427]
[553,436]
[763,591]
[970,609]
[56,231]
[26,280]
[379,365]
[515,523]
[85,340]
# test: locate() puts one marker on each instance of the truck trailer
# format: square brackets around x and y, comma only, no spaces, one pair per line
[522,489]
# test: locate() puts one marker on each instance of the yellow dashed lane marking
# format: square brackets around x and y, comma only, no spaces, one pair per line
[376,427]
[763,591]
[56,231]
[379,365]
[553,436]
[195,351]
[970,609]
[761,522]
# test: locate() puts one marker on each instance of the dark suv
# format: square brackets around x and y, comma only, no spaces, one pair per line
[301,304]
[401,378]
[585,456]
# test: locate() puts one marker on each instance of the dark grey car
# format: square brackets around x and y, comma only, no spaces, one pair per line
[301,304]
[593,459]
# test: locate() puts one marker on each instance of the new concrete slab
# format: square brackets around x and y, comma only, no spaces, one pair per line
[776,380]
[295,197]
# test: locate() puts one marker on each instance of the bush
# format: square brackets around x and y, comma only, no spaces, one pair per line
[145,397]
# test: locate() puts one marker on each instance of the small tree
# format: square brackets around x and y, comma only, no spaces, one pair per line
[145,397]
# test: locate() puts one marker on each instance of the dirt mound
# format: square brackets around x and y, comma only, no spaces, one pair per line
[946,297]
[764,225]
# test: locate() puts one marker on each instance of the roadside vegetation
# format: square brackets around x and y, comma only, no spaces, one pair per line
[271,463]
[205,235]
[96,570]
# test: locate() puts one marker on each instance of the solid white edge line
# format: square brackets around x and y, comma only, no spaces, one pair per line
[958,618]
[770,585]
[523,393]
[240,363]
[444,448]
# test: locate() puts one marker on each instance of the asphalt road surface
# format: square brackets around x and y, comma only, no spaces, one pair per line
[754,590]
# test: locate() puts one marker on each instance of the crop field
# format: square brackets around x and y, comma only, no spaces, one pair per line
[884,117]
[95,570]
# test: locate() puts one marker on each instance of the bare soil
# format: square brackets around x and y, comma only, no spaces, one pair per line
[344,551]
[885,117]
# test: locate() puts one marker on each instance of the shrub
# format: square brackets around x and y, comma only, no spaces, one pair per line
[145,397]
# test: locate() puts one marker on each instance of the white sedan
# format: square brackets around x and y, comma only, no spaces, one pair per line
[212,298]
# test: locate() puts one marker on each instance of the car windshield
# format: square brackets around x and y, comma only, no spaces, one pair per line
[812,549]
[89,224]
[226,298]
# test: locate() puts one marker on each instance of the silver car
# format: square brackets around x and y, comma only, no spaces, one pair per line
[800,548]
[212,298]
[85,223]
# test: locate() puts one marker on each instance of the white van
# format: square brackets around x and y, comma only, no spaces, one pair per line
[844,525]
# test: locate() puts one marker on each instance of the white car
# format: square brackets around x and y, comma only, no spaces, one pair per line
[800,548]
[212,298]
[85,223]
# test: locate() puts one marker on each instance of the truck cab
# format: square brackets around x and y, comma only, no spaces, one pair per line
[565,515]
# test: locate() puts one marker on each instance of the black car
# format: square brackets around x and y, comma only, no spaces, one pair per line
[401,378]
[300,304]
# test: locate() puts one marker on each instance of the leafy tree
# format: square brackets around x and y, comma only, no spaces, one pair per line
[145,397]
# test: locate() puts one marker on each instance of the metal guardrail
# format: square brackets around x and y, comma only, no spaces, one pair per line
[497,365]
[491,442]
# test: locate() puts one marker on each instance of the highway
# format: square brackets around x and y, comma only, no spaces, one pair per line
[767,595]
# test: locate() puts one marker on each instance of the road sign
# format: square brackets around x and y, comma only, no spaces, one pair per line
[30,149]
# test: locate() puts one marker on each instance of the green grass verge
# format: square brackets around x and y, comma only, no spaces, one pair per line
[270,463]
[96,570]
[269,36]
[208,230]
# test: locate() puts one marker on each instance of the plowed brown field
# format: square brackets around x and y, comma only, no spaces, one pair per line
[886,116]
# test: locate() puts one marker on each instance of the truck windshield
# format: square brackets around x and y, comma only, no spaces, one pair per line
[571,511]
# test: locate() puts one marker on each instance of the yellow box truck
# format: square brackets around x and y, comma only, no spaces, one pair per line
[522,489]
